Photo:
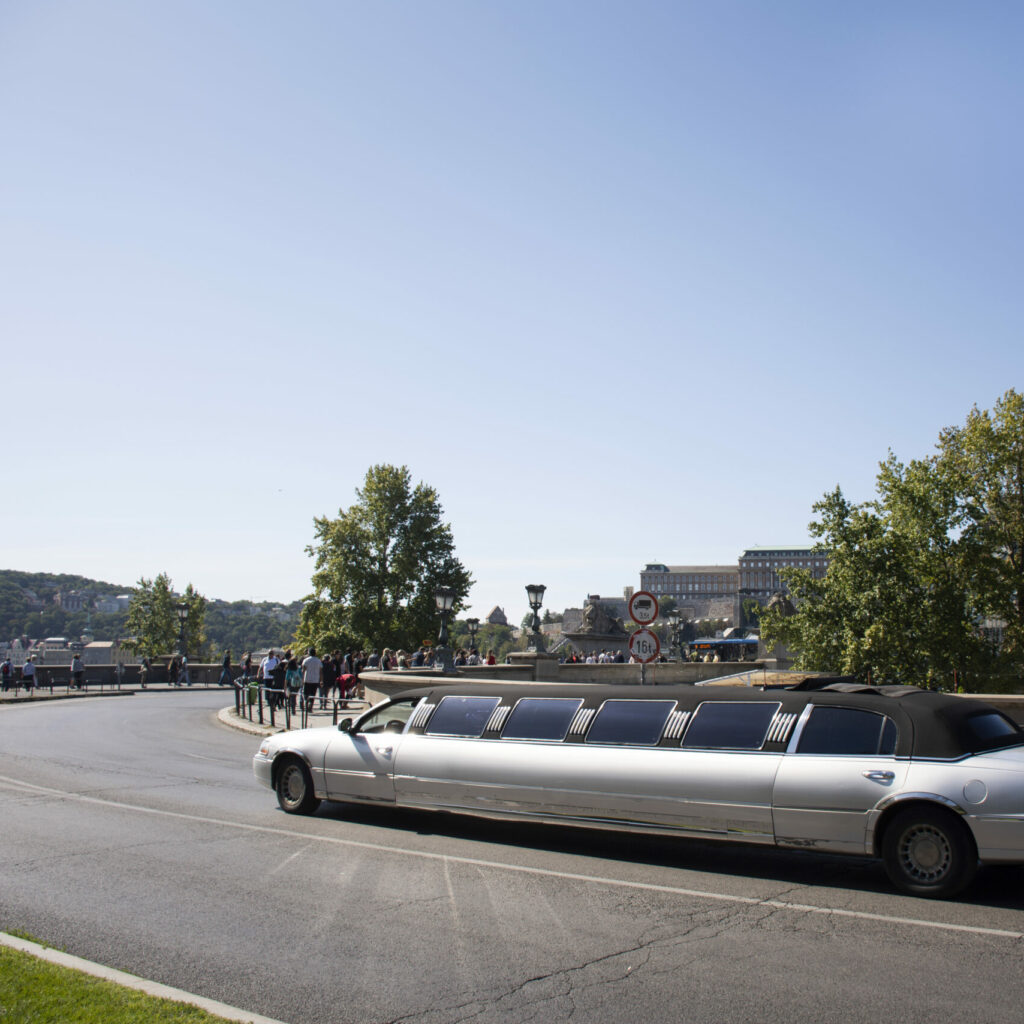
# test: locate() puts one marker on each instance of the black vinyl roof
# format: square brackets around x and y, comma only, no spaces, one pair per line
[930,725]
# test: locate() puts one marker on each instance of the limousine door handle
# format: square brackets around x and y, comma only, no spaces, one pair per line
[386,751]
[879,776]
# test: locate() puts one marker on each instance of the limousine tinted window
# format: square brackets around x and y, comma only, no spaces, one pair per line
[541,718]
[990,730]
[847,731]
[461,716]
[729,725]
[631,722]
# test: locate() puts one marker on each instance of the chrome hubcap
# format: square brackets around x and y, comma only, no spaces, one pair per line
[293,786]
[925,853]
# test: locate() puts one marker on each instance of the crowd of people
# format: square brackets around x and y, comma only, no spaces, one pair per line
[287,677]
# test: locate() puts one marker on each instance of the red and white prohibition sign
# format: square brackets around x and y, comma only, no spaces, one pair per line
[644,645]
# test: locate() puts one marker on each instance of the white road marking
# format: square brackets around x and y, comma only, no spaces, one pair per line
[448,859]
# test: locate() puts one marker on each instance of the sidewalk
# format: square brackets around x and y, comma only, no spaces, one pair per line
[317,718]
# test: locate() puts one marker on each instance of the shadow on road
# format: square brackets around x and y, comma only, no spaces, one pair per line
[995,886]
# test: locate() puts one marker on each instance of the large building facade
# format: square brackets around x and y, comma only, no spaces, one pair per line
[718,591]
[759,568]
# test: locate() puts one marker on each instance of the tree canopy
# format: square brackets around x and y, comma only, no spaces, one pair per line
[915,573]
[377,566]
[153,618]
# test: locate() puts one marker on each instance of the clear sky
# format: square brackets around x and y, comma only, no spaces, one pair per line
[625,282]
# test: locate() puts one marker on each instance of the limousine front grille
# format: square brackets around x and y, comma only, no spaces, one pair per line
[781,727]
[581,721]
[676,724]
[497,719]
[422,713]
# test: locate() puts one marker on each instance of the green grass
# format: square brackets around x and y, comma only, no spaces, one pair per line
[33,991]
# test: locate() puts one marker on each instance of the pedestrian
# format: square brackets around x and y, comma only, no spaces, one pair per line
[491,659]
[312,676]
[246,665]
[292,682]
[186,678]
[265,673]
[225,670]
[77,672]
[328,679]
[143,672]
[6,672]
[28,673]
[172,672]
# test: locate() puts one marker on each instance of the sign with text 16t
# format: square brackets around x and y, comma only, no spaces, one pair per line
[644,645]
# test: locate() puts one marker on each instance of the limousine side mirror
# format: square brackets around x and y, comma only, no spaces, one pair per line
[345,725]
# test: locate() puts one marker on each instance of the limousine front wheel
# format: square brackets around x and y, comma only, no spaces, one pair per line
[928,852]
[295,788]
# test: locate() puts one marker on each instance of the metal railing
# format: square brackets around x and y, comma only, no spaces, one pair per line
[257,701]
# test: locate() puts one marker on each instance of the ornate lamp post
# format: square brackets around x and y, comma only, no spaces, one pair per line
[445,599]
[473,625]
[535,593]
[674,622]
[182,609]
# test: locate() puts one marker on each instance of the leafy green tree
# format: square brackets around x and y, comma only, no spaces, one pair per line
[377,565]
[914,573]
[153,618]
[983,464]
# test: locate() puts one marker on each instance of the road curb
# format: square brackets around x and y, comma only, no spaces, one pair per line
[227,716]
[150,988]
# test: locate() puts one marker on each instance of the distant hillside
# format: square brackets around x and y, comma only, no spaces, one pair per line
[29,607]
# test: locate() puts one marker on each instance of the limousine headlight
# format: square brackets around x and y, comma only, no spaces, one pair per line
[264,750]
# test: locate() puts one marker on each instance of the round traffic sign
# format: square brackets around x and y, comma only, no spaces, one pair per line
[643,607]
[644,645]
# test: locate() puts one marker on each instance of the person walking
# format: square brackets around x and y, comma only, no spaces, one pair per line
[77,672]
[144,672]
[225,670]
[28,673]
[292,683]
[265,673]
[328,680]
[185,677]
[172,672]
[312,675]
[6,672]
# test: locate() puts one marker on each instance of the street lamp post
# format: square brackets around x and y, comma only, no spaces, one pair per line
[473,625]
[535,594]
[673,621]
[182,609]
[445,600]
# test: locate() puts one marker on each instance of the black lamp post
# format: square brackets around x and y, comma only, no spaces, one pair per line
[535,593]
[473,625]
[445,599]
[673,621]
[182,609]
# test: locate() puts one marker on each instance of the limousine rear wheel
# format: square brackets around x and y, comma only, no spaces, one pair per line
[928,852]
[295,788]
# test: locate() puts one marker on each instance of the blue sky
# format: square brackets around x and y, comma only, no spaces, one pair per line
[623,281]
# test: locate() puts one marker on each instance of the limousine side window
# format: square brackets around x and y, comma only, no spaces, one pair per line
[729,725]
[631,722]
[461,716]
[847,731]
[541,718]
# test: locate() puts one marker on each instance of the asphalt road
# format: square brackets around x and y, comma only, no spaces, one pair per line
[133,833]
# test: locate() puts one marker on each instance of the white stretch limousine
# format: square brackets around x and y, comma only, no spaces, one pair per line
[931,783]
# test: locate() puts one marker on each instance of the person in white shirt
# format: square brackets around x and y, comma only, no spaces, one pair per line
[312,668]
[266,673]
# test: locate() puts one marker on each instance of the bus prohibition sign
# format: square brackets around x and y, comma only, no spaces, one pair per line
[644,645]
